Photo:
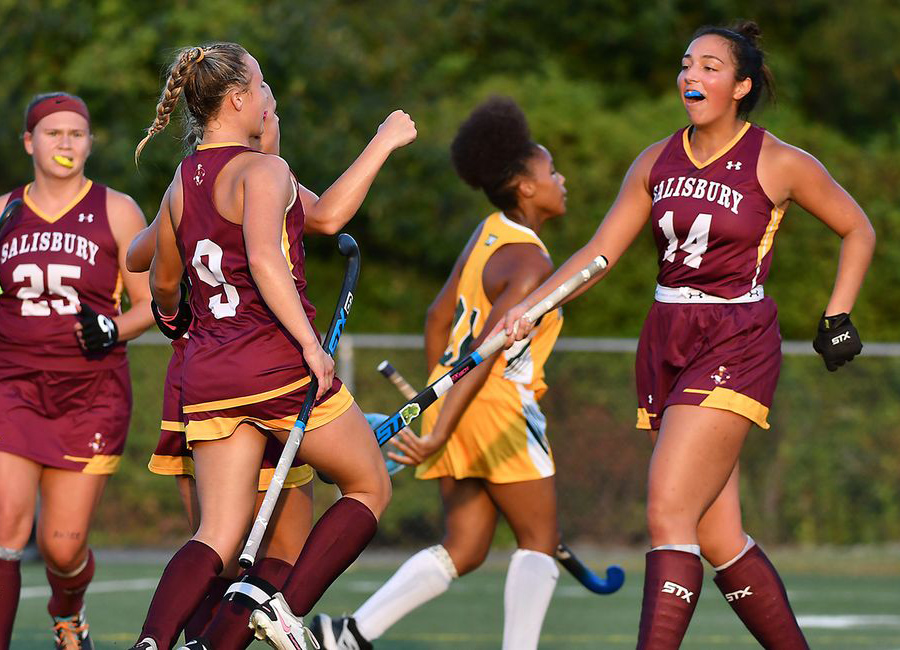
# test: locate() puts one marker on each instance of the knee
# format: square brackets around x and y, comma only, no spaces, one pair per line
[668,521]
[380,492]
[540,539]
[466,556]
[64,558]
[15,528]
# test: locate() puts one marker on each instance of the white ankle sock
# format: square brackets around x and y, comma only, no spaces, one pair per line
[530,582]
[424,576]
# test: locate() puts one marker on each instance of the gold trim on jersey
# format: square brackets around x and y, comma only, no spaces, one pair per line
[117,292]
[216,428]
[169,425]
[768,238]
[171,465]
[727,399]
[643,418]
[222,404]
[184,466]
[59,215]
[285,240]
[99,464]
[686,141]
[219,145]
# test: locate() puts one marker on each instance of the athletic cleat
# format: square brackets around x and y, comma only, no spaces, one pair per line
[274,623]
[338,634]
[145,644]
[72,632]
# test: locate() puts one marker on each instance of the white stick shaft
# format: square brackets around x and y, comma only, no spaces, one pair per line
[496,342]
[267,507]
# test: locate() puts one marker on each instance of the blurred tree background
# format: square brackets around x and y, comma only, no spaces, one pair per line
[597,81]
[596,78]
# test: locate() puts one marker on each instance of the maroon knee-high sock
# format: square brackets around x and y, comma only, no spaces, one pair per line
[10,585]
[335,542]
[756,594]
[206,610]
[671,590]
[229,629]
[183,585]
[67,592]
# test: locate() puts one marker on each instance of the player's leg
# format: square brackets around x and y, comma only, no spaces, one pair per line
[695,453]
[530,509]
[345,450]
[68,501]
[227,474]
[470,518]
[17,503]
[290,526]
[744,575]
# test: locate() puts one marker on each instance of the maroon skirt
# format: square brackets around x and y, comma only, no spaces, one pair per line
[68,420]
[724,356]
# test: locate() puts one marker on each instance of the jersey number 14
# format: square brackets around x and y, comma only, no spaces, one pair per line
[696,243]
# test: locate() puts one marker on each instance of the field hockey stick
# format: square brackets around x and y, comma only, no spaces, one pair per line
[615,575]
[414,407]
[8,213]
[348,248]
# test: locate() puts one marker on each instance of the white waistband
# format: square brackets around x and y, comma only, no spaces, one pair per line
[687,295]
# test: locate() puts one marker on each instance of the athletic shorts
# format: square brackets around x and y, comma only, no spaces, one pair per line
[76,421]
[172,456]
[501,438]
[722,356]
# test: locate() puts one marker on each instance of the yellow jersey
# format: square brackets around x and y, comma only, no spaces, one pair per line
[502,435]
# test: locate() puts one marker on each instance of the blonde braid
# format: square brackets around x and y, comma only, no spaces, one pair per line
[178,76]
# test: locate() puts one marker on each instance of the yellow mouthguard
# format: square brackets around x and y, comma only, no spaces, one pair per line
[65,162]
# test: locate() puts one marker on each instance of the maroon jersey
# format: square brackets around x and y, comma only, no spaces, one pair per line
[713,224]
[49,264]
[236,346]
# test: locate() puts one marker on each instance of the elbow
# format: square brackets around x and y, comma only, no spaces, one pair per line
[323,225]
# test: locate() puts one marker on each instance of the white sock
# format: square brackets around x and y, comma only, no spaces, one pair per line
[424,576]
[530,582]
[747,546]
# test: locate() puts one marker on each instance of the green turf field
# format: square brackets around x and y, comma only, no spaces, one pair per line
[846,599]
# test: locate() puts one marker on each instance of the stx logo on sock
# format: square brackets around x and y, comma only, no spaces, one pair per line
[678,590]
[737,595]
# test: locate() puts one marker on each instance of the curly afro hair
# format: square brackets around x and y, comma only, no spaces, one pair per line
[492,147]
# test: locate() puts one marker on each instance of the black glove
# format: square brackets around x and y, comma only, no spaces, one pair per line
[837,340]
[98,331]
[174,327]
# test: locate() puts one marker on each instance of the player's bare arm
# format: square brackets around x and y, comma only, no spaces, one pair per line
[337,205]
[613,236]
[143,246]
[512,272]
[167,267]
[439,317]
[267,191]
[789,174]
[125,221]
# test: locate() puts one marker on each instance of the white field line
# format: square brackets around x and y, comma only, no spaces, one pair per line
[846,621]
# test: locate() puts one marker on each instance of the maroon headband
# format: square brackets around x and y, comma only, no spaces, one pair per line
[55,104]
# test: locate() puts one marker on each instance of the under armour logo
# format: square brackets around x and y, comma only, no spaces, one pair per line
[490,240]
[82,217]
[737,595]
[650,399]
[678,590]
[199,174]
[733,165]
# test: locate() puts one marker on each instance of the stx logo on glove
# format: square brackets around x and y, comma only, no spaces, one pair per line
[737,595]
[840,337]
[678,590]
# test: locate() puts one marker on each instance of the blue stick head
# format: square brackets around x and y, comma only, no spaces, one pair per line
[347,245]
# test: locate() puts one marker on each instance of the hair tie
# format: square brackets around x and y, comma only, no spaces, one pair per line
[202,53]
